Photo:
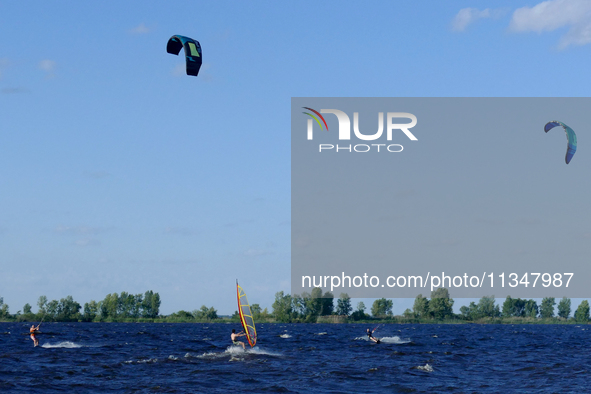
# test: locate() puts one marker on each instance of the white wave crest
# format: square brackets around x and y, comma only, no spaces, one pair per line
[285,336]
[66,344]
[235,353]
[426,368]
[394,339]
[143,361]
[257,350]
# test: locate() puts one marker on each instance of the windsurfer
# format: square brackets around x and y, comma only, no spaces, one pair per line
[33,330]
[370,335]
[234,337]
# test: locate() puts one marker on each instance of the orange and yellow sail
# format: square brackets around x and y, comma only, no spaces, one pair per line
[246,316]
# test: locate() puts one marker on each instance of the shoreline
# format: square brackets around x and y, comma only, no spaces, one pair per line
[320,320]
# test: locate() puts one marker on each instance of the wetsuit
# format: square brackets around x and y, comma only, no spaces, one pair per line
[372,338]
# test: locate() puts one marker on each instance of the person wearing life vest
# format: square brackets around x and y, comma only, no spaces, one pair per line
[33,330]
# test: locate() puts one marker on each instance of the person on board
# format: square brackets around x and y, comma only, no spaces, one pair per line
[234,337]
[370,335]
[33,330]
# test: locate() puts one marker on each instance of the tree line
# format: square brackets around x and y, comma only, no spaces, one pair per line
[305,308]
[114,307]
[308,307]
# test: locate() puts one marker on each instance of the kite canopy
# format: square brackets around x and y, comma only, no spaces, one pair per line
[193,55]
[246,316]
[571,138]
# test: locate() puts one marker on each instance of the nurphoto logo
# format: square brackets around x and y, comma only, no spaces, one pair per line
[344,132]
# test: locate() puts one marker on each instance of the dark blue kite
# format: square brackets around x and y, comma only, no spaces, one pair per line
[193,55]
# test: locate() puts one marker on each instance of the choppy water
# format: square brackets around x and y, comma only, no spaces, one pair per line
[304,358]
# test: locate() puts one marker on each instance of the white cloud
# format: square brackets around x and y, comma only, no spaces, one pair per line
[467,16]
[48,66]
[141,29]
[179,70]
[554,14]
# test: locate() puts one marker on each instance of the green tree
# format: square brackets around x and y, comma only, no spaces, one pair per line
[42,304]
[508,309]
[441,306]
[382,308]
[530,308]
[110,305]
[282,307]
[68,309]
[470,312]
[53,309]
[344,305]
[27,309]
[359,314]
[90,311]
[310,306]
[314,305]
[136,310]
[582,312]
[298,304]
[4,310]
[547,308]
[421,307]
[151,304]
[126,304]
[564,308]
[361,306]
[184,315]
[205,313]
[487,308]
[327,304]
[256,311]
[514,307]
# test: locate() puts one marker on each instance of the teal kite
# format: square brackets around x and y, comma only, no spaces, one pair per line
[571,138]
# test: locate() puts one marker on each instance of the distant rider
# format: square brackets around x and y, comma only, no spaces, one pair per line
[235,341]
[370,335]
[33,330]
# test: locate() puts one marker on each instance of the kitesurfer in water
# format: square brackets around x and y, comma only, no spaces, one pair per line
[234,337]
[33,330]
[370,335]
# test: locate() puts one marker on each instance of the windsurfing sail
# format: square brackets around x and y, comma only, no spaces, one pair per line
[246,316]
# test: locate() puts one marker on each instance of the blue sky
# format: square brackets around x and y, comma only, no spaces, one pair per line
[119,173]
